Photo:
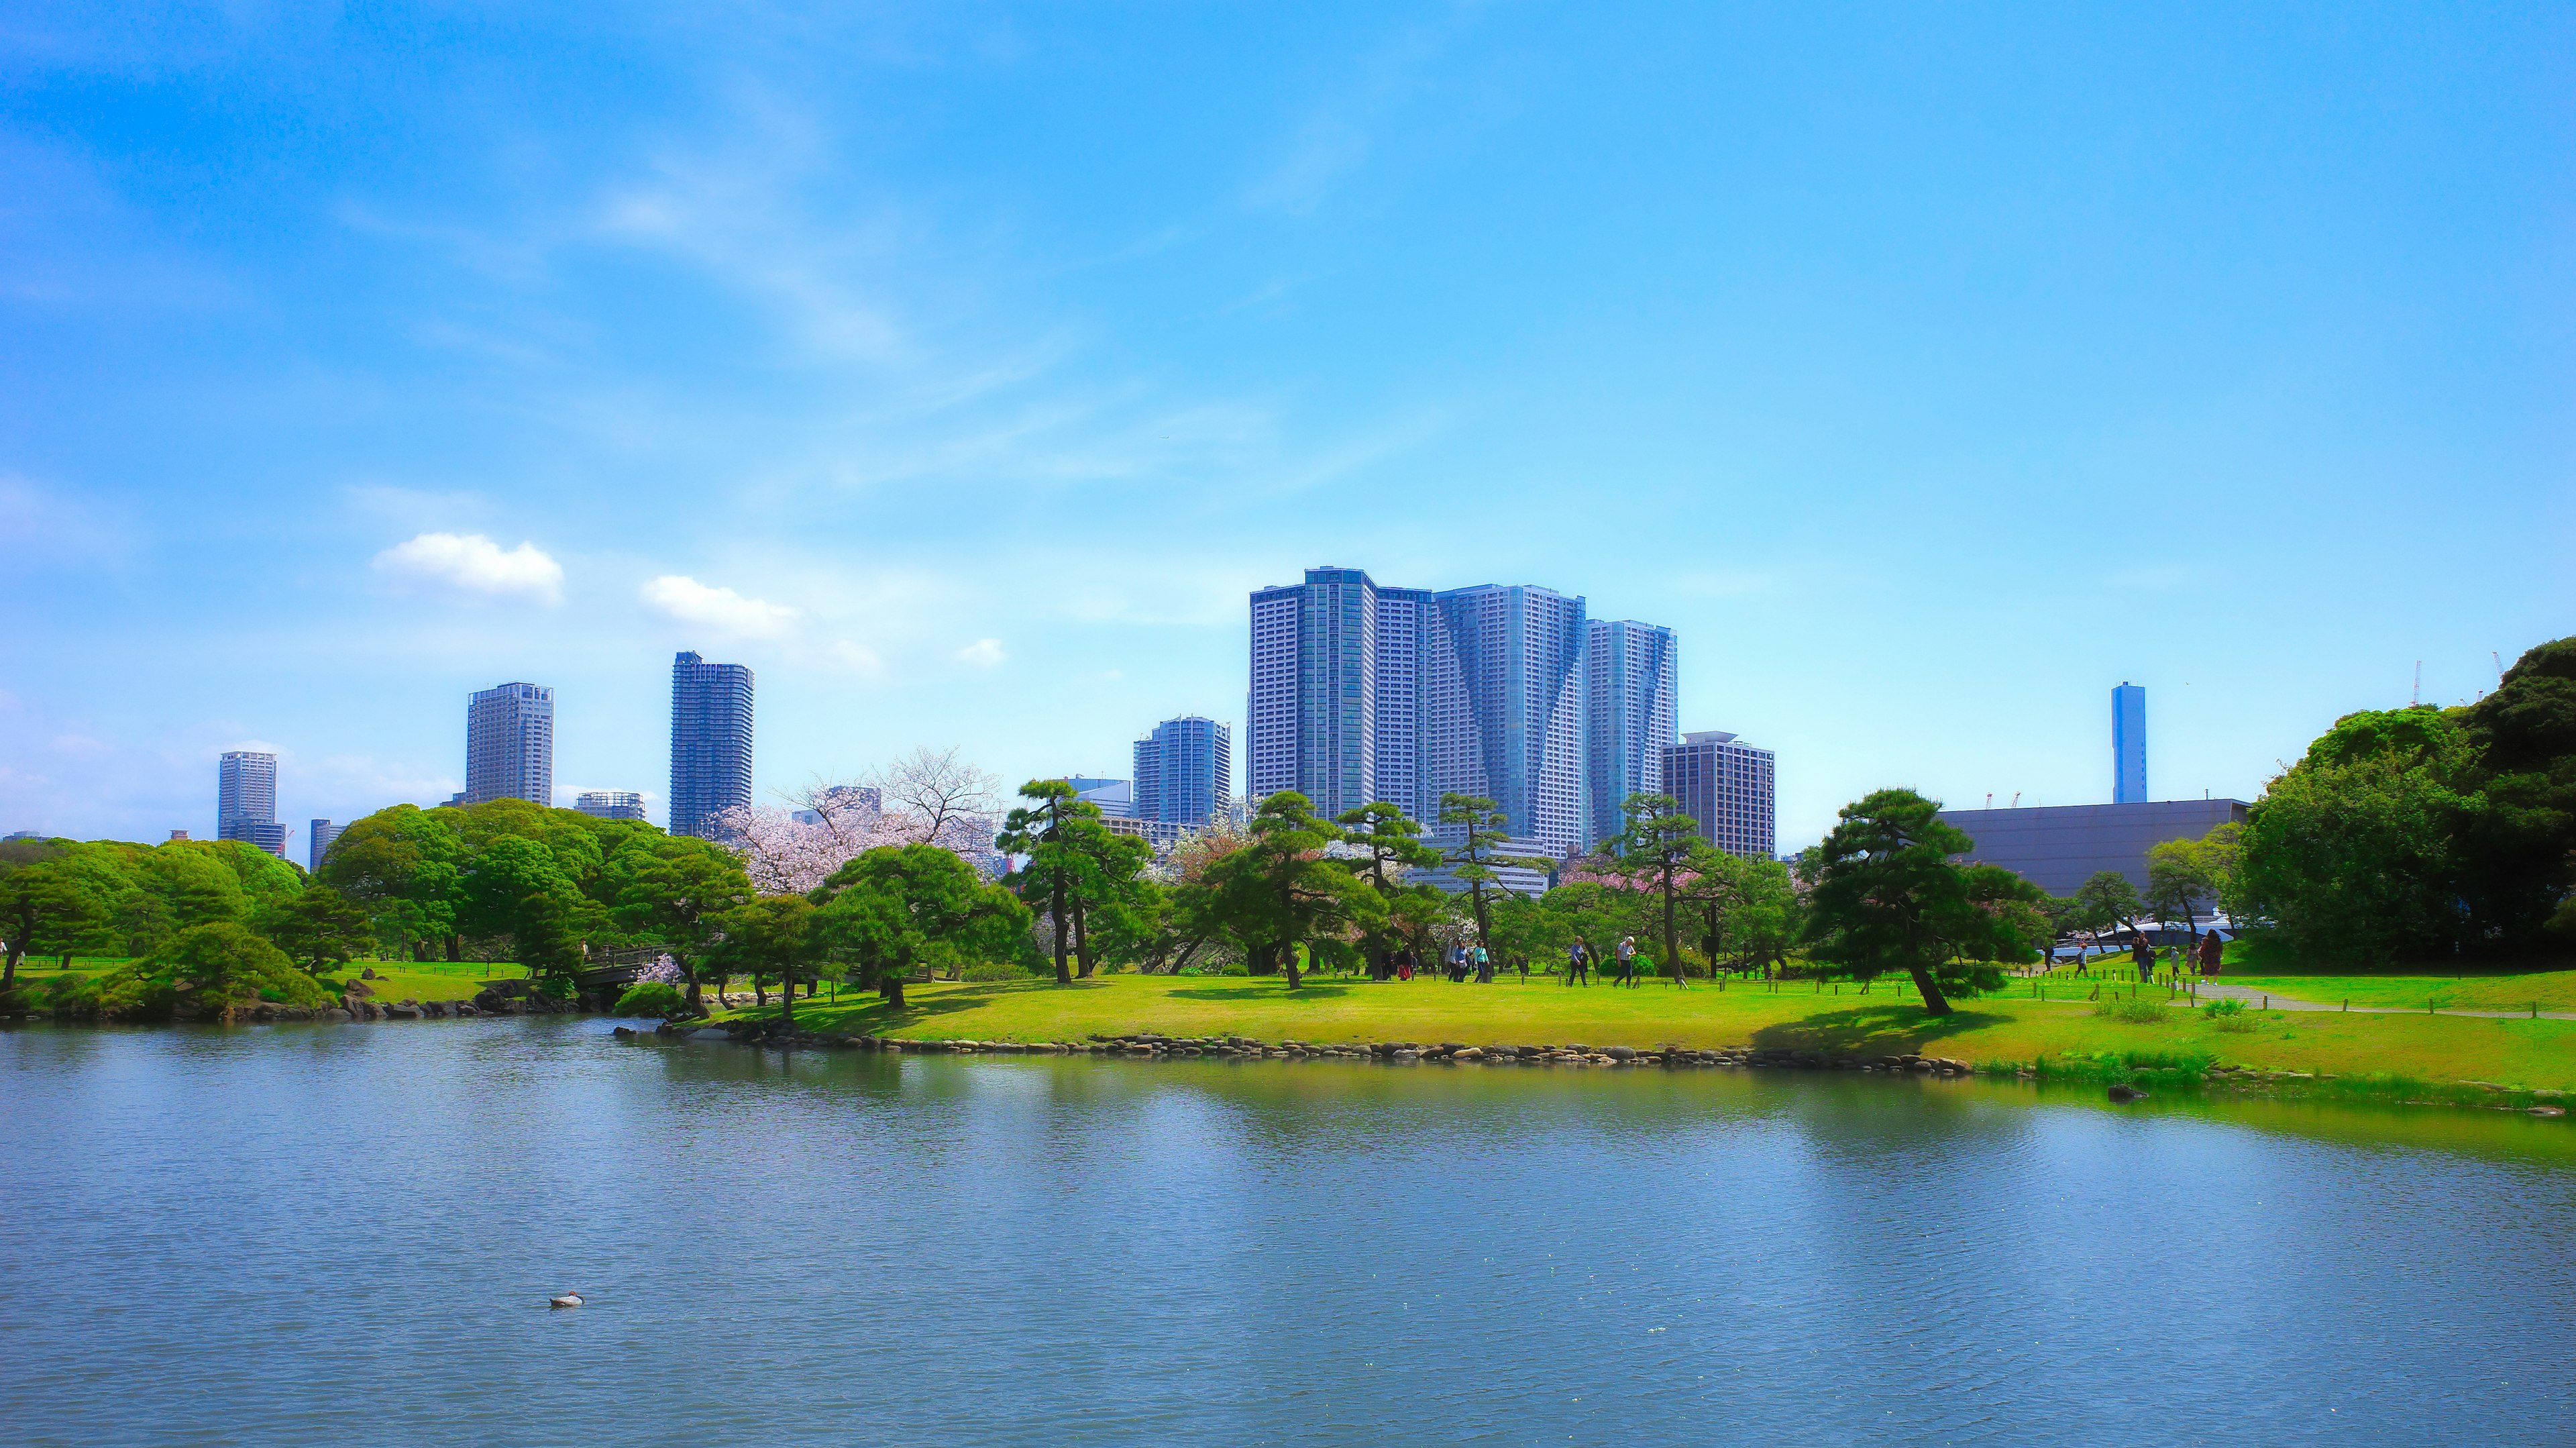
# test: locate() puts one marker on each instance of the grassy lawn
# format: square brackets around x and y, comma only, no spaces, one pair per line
[396,980]
[2550,990]
[2009,1029]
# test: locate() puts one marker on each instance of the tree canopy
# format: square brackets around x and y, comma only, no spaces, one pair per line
[1886,895]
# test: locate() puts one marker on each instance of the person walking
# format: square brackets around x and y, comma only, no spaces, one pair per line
[2143,956]
[1404,965]
[1627,953]
[2213,952]
[1484,966]
[1578,964]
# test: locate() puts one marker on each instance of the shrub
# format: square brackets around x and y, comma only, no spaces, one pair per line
[2139,1011]
[2230,1016]
[652,998]
[992,970]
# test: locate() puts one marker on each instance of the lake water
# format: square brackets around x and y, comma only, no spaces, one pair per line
[340,1235]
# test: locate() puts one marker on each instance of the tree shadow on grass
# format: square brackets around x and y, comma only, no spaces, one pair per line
[1890,1030]
[1307,991]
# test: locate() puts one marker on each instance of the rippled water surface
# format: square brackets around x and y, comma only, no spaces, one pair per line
[345,1235]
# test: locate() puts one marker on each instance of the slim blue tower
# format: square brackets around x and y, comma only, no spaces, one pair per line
[2129,744]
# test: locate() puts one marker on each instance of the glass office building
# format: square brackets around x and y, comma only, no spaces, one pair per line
[246,800]
[510,744]
[1632,676]
[2129,744]
[1184,771]
[1726,787]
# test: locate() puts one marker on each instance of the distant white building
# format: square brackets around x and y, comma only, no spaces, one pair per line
[610,804]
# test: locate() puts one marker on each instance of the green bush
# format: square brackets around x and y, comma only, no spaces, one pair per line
[652,998]
[993,970]
[2230,1016]
[2139,1011]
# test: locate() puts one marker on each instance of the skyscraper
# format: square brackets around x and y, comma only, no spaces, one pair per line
[317,842]
[1725,786]
[1632,716]
[246,800]
[2129,744]
[710,742]
[610,804]
[510,744]
[1363,693]
[1184,771]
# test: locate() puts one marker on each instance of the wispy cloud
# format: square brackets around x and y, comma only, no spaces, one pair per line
[685,600]
[471,565]
[983,653]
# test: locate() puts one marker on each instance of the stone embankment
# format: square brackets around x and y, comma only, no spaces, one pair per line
[1147,1046]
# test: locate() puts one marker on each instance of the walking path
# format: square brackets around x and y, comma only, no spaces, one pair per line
[2219,990]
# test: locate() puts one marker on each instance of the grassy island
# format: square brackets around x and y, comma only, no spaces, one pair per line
[2006,1032]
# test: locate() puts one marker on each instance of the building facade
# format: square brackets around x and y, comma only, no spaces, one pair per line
[1184,771]
[2129,744]
[246,800]
[2058,847]
[1725,787]
[710,742]
[510,744]
[1363,693]
[610,804]
[1632,717]
[317,842]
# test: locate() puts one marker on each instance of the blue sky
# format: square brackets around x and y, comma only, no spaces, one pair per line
[961,368]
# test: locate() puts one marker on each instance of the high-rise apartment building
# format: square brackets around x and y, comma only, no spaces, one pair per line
[317,842]
[510,744]
[1184,771]
[1363,693]
[1632,713]
[710,742]
[2129,744]
[610,804]
[246,800]
[1725,786]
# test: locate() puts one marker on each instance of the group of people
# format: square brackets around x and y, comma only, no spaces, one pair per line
[1460,963]
[2209,952]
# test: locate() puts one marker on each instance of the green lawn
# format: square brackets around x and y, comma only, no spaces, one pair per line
[2010,1029]
[396,980]
[2550,990]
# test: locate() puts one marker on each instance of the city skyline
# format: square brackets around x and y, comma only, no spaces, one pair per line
[802,343]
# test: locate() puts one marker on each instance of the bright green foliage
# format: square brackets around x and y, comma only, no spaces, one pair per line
[1659,848]
[673,890]
[1392,846]
[318,928]
[1477,856]
[1052,880]
[2180,876]
[1527,931]
[1280,890]
[657,998]
[1885,895]
[47,906]
[899,909]
[1746,910]
[2106,900]
[772,938]
[1595,914]
[406,866]
[206,972]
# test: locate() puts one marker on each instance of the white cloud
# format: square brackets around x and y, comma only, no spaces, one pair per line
[983,653]
[685,599]
[857,658]
[472,564]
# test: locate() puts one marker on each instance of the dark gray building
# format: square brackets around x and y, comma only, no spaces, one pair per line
[2058,847]
[318,843]
[710,742]
[1184,771]
[510,744]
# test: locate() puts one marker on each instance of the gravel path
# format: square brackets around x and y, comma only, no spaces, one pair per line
[2219,990]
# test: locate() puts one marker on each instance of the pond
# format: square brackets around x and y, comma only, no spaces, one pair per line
[347,1235]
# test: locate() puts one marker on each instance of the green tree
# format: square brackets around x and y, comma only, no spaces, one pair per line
[406,866]
[1391,846]
[1886,895]
[1280,890]
[1746,910]
[319,927]
[1043,831]
[2180,876]
[774,937]
[899,908]
[674,891]
[1595,914]
[2106,900]
[46,907]
[1658,850]
[1477,856]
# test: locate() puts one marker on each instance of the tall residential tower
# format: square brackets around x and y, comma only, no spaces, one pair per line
[1725,787]
[1633,716]
[1184,772]
[510,744]
[710,742]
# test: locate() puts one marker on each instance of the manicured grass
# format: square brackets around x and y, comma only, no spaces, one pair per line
[396,980]
[2550,990]
[2010,1029]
